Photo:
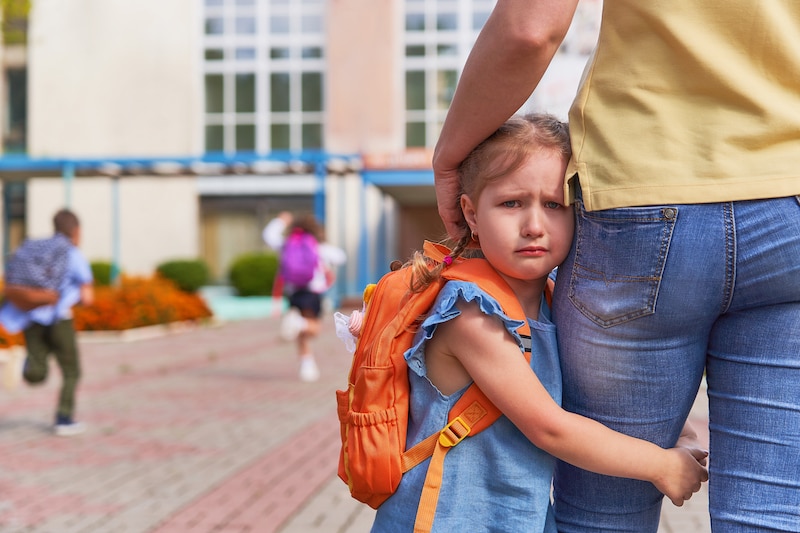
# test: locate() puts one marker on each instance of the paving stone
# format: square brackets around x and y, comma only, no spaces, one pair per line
[200,431]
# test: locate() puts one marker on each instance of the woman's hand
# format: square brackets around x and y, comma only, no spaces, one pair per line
[447,186]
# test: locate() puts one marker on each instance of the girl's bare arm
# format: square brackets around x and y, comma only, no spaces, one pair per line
[494,361]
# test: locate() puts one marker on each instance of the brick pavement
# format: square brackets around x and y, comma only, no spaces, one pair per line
[198,431]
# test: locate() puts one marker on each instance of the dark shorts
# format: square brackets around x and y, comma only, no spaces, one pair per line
[309,303]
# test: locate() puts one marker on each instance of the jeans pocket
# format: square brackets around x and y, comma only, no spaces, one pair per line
[619,261]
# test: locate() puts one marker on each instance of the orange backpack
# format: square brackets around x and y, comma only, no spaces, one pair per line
[373,411]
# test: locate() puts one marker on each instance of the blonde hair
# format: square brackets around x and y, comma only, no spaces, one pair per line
[503,152]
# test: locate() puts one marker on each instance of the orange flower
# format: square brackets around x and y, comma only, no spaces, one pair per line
[134,302]
[139,301]
[7,340]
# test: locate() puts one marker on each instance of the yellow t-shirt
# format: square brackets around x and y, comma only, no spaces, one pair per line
[689,101]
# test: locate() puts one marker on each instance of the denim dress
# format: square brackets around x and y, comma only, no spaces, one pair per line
[496,481]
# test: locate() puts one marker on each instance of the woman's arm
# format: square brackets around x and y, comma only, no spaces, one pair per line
[508,60]
[489,355]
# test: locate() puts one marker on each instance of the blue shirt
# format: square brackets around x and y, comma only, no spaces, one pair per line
[79,273]
[496,481]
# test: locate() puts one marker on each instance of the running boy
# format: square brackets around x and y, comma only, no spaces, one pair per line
[48,329]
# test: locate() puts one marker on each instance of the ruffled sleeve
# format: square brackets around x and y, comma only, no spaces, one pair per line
[445,308]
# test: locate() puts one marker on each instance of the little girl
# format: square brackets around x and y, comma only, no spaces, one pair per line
[301,323]
[500,479]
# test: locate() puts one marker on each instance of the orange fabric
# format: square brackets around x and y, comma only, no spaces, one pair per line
[373,410]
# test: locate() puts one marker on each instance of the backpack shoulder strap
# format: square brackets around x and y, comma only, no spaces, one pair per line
[473,412]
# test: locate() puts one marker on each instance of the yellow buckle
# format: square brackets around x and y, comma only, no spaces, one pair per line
[454,432]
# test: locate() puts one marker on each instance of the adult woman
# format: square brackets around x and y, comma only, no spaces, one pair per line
[686,258]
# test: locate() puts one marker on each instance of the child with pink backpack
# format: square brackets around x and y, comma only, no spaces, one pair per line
[306,272]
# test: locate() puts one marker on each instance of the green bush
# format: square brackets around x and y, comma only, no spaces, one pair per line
[252,274]
[101,270]
[188,274]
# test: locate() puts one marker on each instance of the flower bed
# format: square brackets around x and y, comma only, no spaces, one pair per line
[134,302]
[7,340]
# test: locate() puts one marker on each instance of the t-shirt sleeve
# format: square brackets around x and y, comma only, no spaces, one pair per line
[273,233]
[445,308]
[80,268]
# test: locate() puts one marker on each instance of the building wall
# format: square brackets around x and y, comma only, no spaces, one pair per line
[365,79]
[3,242]
[117,79]
[114,78]
[344,200]
[157,218]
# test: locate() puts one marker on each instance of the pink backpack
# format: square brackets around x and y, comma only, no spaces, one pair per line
[299,258]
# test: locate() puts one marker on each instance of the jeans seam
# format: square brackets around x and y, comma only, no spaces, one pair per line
[730,255]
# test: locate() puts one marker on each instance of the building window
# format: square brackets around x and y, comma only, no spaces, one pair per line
[479,18]
[245,53]
[264,65]
[312,91]
[438,37]
[245,25]
[311,52]
[215,54]
[415,134]
[214,138]
[415,90]
[214,93]
[279,53]
[445,88]
[245,137]
[280,137]
[447,50]
[279,24]
[280,92]
[447,21]
[245,93]
[312,136]
[312,24]
[415,21]
[15,139]
[415,51]
[215,26]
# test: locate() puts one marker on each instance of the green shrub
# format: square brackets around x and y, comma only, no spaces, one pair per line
[101,270]
[252,274]
[188,274]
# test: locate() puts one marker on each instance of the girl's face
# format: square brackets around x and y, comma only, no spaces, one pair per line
[523,228]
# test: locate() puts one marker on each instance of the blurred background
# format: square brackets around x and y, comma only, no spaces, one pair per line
[176,130]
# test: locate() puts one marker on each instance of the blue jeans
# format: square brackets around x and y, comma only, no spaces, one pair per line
[650,298]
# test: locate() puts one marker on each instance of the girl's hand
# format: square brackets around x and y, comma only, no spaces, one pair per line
[683,473]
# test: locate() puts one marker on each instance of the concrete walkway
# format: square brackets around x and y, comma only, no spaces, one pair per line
[198,431]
